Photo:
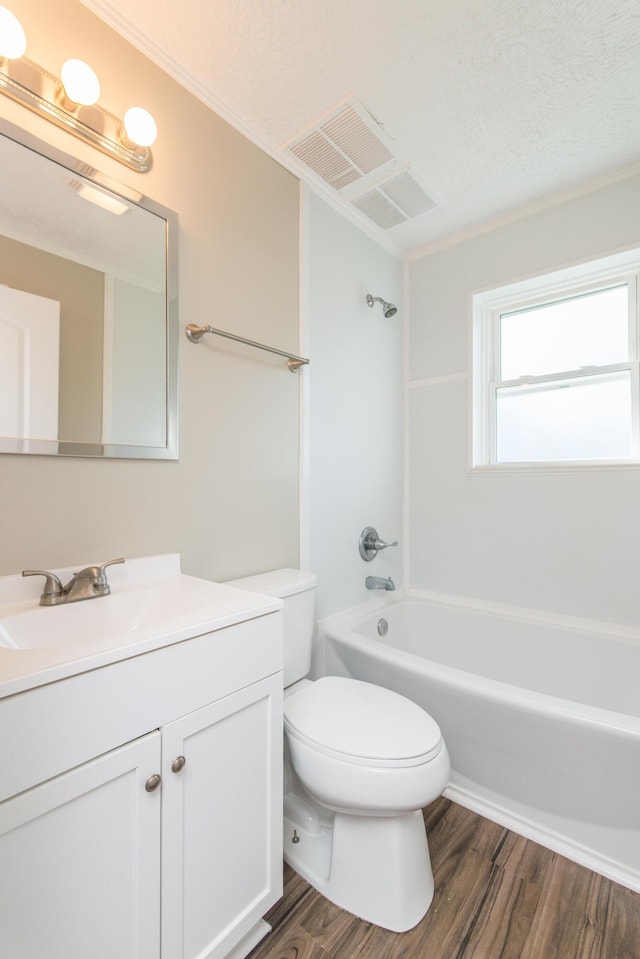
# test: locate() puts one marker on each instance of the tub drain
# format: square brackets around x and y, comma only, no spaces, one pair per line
[383,627]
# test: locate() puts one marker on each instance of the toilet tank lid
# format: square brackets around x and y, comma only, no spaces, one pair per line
[277,582]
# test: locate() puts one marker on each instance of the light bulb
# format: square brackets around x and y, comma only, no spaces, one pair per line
[13,41]
[81,85]
[140,127]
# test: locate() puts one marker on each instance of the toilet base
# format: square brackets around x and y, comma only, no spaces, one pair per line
[376,868]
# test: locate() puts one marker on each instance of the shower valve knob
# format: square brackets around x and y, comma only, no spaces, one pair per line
[371,544]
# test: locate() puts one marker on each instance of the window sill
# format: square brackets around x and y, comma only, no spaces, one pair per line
[582,466]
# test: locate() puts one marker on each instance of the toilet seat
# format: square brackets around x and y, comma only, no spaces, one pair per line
[361,724]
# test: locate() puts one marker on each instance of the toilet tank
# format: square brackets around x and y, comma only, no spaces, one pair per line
[297,591]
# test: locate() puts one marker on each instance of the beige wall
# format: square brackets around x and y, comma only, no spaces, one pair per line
[230,504]
[80,292]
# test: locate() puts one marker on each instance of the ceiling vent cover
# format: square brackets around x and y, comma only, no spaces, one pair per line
[394,201]
[350,152]
[344,146]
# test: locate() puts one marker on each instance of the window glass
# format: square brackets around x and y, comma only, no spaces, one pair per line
[572,419]
[587,330]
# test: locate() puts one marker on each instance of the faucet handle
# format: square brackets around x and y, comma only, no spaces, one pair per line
[370,543]
[52,586]
[101,583]
[380,544]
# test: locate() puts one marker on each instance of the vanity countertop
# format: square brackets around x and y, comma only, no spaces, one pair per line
[165,607]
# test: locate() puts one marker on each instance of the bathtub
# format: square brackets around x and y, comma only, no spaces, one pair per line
[541,714]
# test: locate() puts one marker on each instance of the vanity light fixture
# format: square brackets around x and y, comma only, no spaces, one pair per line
[71,102]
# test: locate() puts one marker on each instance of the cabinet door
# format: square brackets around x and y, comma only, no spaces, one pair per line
[222,821]
[79,861]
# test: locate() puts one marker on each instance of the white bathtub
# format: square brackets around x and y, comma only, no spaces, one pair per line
[541,715]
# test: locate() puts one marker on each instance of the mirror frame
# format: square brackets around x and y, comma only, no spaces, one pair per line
[109,450]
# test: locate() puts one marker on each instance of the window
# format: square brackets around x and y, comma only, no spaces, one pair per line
[555,371]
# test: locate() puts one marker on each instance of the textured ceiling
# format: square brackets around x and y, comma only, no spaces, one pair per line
[496,103]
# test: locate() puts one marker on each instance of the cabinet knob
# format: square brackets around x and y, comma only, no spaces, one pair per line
[178,764]
[152,783]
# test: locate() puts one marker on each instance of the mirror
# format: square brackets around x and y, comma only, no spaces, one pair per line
[88,310]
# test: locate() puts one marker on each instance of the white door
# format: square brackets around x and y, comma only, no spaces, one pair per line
[221,821]
[29,357]
[80,861]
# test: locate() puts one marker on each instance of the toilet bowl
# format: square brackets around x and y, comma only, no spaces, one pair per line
[362,749]
[363,762]
[360,763]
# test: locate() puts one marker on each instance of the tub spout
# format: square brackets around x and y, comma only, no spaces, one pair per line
[378,582]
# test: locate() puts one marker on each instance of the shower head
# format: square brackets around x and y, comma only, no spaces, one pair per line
[387,308]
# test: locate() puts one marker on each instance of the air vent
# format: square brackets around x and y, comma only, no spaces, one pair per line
[350,152]
[394,201]
[357,141]
[344,146]
[405,191]
[322,157]
[376,206]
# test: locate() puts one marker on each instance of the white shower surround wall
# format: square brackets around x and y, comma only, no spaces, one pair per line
[540,713]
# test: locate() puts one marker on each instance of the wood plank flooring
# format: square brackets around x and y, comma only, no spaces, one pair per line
[498,896]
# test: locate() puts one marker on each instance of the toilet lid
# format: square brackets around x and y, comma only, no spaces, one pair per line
[362,723]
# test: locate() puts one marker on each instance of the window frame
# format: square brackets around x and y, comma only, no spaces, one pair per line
[487,309]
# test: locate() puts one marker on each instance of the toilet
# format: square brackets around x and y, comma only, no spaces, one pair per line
[360,763]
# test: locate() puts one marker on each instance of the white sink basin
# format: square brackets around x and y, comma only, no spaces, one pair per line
[122,616]
[152,605]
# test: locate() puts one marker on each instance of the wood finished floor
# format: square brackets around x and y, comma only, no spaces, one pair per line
[498,896]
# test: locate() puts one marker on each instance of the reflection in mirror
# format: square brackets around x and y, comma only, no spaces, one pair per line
[88,310]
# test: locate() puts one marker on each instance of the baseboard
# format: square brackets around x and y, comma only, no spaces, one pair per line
[548,838]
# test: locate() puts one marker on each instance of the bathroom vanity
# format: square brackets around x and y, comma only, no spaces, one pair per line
[141,771]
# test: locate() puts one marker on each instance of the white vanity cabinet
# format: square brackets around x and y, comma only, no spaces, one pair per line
[97,858]
[221,821]
[80,861]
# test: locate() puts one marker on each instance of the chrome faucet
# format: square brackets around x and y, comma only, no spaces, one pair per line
[89,583]
[379,582]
